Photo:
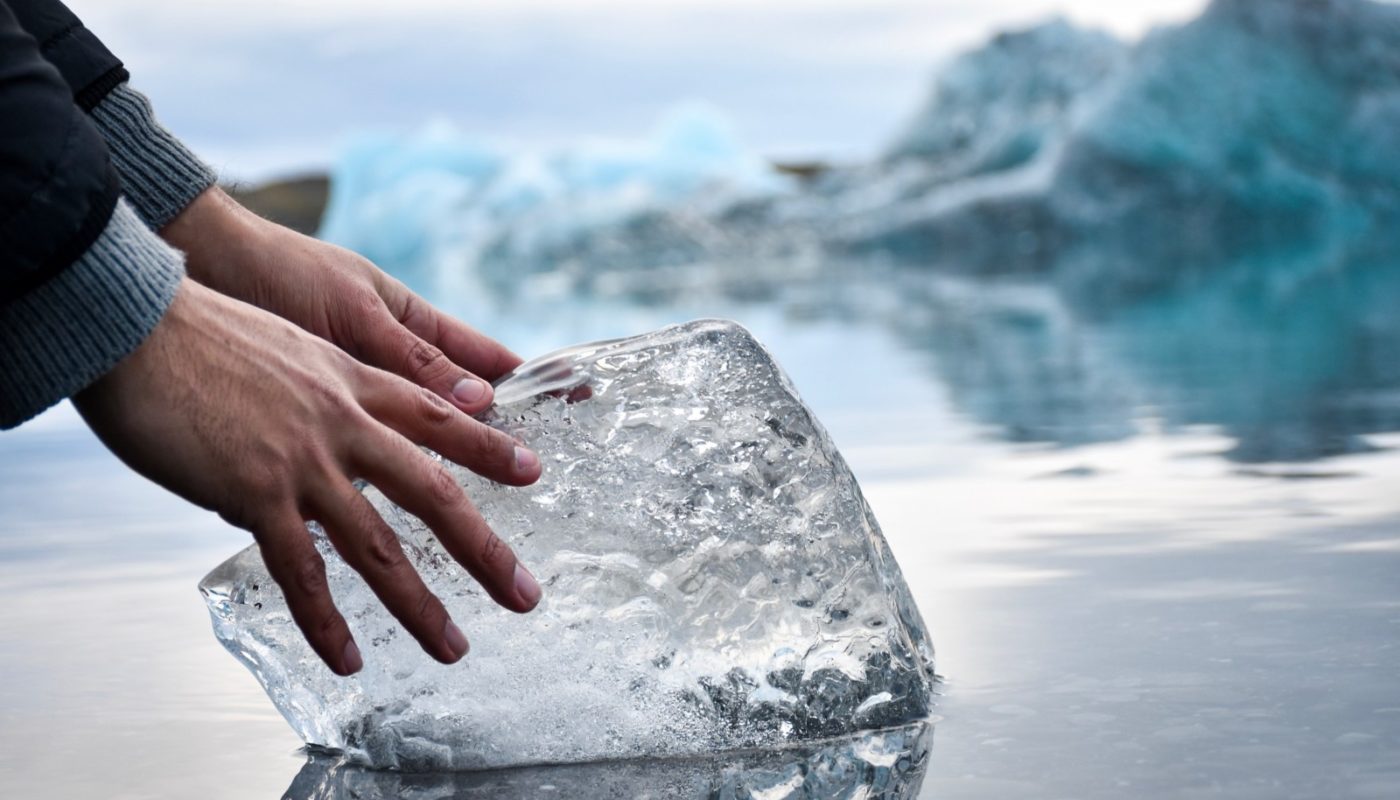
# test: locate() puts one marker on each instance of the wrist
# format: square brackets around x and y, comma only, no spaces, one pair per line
[221,240]
[134,366]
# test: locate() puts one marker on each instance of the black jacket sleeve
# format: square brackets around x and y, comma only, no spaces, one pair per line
[159,175]
[86,64]
[57,185]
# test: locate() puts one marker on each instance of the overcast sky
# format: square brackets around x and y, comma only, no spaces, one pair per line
[262,87]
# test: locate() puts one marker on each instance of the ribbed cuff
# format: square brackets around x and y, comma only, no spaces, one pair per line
[160,176]
[67,333]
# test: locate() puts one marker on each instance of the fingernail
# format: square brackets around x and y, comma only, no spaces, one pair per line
[353,662]
[527,587]
[470,390]
[525,459]
[455,639]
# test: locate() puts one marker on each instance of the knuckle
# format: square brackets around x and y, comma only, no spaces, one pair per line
[348,365]
[365,268]
[423,357]
[443,487]
[382,551]
[261,488]
[494,551]
[493,447]
[270,477]
[414,311]
[433,409]
[356,429]
[322,467]
[264,485]
[426,609]
[329,624]
[367,304]
[330,392]
[309,577]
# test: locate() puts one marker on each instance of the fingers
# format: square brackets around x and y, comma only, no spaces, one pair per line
[294,563]
[464,345]
[372,548]
[429,421]
[392,347]
[427,490]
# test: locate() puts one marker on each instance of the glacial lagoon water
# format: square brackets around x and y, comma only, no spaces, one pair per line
[1119,377]
[1125,600]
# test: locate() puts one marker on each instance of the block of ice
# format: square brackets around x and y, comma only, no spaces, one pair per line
[876,765]
[713,578]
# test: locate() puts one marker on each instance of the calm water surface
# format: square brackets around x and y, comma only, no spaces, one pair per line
[1159,553]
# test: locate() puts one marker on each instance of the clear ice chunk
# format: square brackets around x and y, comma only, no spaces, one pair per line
[714,581]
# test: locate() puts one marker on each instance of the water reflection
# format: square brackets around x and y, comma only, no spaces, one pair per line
[1292,366]
[1295,361]
[881,765]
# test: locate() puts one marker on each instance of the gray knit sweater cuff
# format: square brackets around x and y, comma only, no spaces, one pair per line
[67,333]
[160,176]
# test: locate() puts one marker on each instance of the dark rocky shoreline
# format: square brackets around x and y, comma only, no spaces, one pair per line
[298,201]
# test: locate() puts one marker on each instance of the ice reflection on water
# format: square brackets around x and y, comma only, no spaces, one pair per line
[1293,363]
[883,765]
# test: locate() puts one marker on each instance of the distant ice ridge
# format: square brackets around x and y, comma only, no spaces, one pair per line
[402,199]
[713,580]
[1262,136]
[999,106]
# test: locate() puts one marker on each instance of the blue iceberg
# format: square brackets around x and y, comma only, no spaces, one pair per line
[1000,106]
[1262,135]
[1258,136]
[439,195]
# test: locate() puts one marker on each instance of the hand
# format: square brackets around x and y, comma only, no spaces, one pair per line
[242,413]
[339,296]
